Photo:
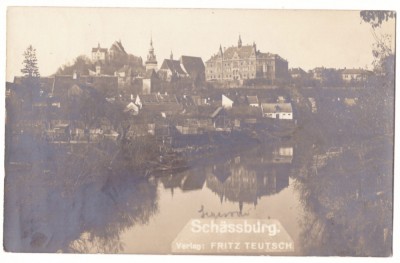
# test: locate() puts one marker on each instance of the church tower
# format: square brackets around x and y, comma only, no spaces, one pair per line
[151,62]
[240,42]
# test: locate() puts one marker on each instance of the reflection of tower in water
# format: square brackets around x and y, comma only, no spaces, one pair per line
[247,180]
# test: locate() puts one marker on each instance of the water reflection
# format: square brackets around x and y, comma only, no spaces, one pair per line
[246,180]
[69,199]
[189,180]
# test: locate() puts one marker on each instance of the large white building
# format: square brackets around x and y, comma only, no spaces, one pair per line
[245,62]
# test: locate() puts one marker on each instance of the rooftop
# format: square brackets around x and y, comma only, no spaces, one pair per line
[276,107]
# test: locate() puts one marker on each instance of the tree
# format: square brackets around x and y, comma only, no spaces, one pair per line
[382,51]
[30,68]
[82,65]
[378,102]
[375,18]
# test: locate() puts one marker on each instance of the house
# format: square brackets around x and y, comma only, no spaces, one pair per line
[355,75]
[227,103]
[67,88]
[137,130]
[252,101]
[199,100]
[297,73]
[188,105]
[146,99]
[106,85]
[245,115]
[282,111]
[99,54]
[132,109]
[220,120]
[189,126]
[33,92]
[317,73]
[329,76]
[157,103]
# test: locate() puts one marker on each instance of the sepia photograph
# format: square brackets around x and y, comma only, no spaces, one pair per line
[199,131]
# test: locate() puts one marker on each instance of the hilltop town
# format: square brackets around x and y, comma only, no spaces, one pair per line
[238,94]
[121,151]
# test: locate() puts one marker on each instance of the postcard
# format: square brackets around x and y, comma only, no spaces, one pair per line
[199,131]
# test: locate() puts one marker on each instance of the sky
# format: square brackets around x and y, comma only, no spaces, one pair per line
[306,39]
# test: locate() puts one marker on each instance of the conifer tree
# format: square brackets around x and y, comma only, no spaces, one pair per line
[30,68]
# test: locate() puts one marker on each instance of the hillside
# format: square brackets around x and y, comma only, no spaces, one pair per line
[116,59]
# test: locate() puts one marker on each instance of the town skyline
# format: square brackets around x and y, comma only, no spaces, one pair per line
[289,32]
[121,154]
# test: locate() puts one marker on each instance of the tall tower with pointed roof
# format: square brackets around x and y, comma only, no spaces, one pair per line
[240,42]
[151,62]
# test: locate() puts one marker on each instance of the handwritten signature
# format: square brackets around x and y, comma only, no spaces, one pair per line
[208,214]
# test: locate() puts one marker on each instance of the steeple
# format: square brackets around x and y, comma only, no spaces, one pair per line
[171,56]
[151,44]
[240,42]
[220,50]
[151,62]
